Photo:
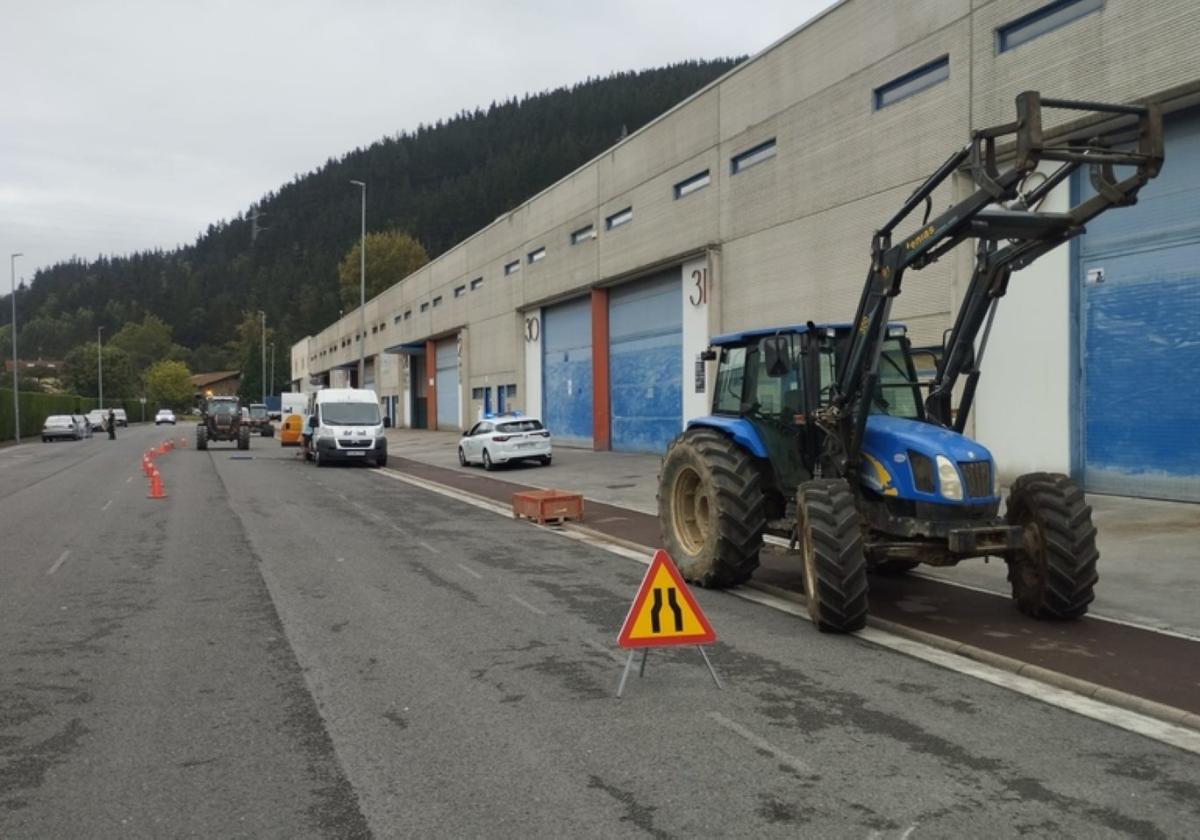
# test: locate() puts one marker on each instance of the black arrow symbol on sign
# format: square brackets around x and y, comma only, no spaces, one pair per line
[655,623]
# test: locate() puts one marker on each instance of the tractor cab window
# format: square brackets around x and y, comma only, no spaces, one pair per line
[776,390]
[898,393]
[731,377]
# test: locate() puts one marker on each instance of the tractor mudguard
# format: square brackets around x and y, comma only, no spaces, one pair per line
[738,428]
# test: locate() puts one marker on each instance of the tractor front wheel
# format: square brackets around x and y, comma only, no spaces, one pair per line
[202,437]
[711,508]
[831,545]
[1054,572]
[243,438]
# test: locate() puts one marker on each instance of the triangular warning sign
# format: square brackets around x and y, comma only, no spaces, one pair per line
[664,612]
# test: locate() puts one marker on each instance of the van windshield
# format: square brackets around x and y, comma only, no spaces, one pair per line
[350,414]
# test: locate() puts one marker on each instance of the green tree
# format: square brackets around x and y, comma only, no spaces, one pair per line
[146,343]
[80,374]
[391,256]
[169,385]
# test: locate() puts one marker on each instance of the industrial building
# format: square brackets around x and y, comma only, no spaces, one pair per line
[753,203]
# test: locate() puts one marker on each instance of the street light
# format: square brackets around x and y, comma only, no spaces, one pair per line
[100,366]
[263,315]
[12,263]
[271,392]
[362,289]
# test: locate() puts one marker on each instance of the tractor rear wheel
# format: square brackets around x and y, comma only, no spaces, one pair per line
[831,545]
[243,437]
[711,508]
[202,437]
[1054,572]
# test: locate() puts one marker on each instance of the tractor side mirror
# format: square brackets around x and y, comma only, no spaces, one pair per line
[777,355]
[709,355]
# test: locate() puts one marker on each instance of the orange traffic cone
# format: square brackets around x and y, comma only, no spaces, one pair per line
[156,488]
[183,443]
[162,449]
[146,466]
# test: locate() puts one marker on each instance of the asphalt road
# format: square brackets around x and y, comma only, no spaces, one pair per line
[277,650]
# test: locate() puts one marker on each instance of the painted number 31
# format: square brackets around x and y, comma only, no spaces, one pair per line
[700,296]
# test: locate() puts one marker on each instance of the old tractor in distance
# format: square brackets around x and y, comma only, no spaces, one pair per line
[221,419]
[826,435]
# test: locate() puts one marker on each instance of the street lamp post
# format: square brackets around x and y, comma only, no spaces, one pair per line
[263,315]
[100,366]
[12,263]
[362,289]
[271,391]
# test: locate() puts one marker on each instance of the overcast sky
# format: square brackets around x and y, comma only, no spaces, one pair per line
[129,125]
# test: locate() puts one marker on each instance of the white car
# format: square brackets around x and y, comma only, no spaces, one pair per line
[96,419]
[61,427]
[165,415]
[504,439]
[119,414]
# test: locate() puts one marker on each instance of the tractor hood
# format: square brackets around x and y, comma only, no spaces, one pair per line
[888,465]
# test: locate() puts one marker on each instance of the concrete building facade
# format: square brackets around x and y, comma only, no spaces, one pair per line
[753,202]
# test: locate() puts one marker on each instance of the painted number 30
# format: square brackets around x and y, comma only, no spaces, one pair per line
[700,296]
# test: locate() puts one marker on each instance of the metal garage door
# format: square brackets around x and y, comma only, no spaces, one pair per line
[645,328]
[567,371]
[447,384]
[1139,274]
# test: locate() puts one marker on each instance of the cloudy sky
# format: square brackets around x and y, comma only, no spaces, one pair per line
[127,125]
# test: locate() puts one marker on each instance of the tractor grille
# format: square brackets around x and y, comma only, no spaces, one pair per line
[347,443]
[979,478]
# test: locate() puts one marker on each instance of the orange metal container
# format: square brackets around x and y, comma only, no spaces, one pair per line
[289,432]
[543,505]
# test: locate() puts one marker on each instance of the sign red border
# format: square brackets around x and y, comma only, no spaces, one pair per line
[662,560]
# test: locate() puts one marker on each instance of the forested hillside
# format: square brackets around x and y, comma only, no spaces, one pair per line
[439,183]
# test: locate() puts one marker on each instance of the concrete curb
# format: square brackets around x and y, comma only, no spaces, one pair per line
[1109,696]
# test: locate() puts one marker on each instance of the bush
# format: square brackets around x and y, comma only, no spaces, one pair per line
[35,408]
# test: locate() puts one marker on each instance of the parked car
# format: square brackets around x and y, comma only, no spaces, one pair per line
[96,419]
[60,427]
[345,425]
[504,439]
[81,421]
[122,420]
[165,415]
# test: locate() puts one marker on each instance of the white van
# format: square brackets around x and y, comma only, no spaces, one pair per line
[344,424]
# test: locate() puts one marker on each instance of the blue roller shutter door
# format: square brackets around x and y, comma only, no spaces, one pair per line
[567,371]
[1139,280]
[645,328]
[447,384]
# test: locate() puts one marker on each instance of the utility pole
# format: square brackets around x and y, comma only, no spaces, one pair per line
[100,366]
[362,289]
[271,392]
[12,264]
[263,315]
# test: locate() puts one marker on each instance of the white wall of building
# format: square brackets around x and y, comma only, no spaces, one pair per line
[532,327]
[1022,405]
[697,287]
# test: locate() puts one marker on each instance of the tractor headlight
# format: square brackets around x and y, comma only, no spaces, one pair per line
[948,480]
[995,479]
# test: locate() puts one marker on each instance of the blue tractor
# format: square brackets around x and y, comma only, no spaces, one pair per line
[843,439]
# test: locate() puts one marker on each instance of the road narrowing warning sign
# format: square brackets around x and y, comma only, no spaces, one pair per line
[664,613]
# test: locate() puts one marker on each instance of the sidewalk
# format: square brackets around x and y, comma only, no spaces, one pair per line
[1149,550]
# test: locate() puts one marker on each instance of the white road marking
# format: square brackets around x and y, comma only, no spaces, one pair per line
[62,559]
[527,605]
[1149,727]
[129,479]
[427,547]
[763,744]
[399,530]
[106,504]
[469,571]
[340,559]
[908,832]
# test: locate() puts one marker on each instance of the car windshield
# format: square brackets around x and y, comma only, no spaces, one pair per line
[350,414]
[520,426]
[223,407]
[258,411]
[59,420]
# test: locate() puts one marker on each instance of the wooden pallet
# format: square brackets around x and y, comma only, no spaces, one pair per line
[544,506]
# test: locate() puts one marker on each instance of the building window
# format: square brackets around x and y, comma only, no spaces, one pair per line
[621,217]
[510,390]
[476,283]
[459,291]
[437,301]
[477,393]
[583,234]
[537,254]
[690,185]
[513,267]
[1046,19]
[751,157]
[374,329]
[425,306]
[913,82]
[397,319]
[407,314]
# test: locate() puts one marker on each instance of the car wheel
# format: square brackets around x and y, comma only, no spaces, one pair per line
[462,457]
[487,461]
[316,458]
[545,459]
